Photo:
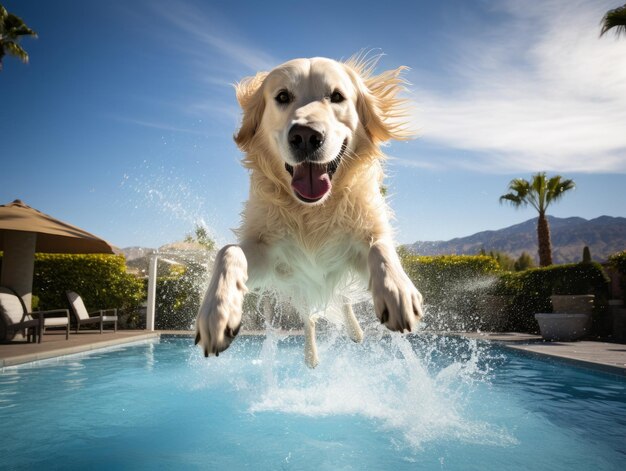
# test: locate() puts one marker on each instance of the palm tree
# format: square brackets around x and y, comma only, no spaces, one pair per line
[615,18]
[539,193]
[11,29]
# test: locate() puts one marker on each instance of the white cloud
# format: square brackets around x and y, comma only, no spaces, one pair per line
[540,91]
[210,35]
[412,163]
[159,125]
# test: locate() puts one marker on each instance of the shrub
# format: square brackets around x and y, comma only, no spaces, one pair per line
[434,275]
[178,297]
[505,261]
[459,290]
[531,291]
[101,280]
[524,262]
[452,286]
[618,261]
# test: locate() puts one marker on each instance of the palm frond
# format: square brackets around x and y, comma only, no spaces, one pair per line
[519,190]
[615,18]
[515,199]
[520,186]
[557,187]
[537,195]
[11,29]
[13,26]
[539,192]
[14,49]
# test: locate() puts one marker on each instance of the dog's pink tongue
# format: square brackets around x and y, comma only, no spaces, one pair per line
[310,180]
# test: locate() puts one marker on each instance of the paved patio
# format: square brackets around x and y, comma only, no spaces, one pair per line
[53,344]
[610,357]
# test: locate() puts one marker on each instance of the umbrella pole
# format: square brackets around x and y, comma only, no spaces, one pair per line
[18,264]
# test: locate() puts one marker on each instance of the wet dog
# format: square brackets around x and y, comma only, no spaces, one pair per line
[315,219]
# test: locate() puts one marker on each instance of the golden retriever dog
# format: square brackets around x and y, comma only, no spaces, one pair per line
[315,220]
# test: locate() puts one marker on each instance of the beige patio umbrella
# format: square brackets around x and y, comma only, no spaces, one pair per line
[24,231]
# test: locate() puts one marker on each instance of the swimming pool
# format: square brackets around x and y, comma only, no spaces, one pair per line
[422,402]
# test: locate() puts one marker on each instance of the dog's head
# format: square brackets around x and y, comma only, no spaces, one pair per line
[312,116]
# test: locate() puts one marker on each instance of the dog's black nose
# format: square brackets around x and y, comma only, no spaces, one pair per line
[304,141]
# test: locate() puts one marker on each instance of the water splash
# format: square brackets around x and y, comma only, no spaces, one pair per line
[391,382]
[154,192]
[462,306]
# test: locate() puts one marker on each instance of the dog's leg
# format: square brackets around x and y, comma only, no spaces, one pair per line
[219,317]
[310,346]
[268,312]
[397,302]
[352,324]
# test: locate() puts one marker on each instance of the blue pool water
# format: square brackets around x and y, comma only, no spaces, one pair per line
[393,403]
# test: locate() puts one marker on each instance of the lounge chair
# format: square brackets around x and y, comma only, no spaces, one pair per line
[77,306]
[17,318]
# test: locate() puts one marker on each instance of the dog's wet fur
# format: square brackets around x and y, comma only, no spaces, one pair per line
[315,218]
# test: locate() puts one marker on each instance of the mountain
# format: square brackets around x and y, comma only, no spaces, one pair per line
[604,235]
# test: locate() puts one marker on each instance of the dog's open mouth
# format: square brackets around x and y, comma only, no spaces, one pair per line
[312,181]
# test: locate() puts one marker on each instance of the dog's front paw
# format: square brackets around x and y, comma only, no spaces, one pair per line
[398,304]
[219,317]
[218,323]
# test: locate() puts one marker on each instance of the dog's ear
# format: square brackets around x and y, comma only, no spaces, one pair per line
[250,97]
[383,113]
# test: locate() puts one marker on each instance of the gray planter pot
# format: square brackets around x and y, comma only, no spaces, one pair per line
[563,327]
[570,319]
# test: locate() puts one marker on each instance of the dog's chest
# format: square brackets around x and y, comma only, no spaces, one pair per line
[297,271]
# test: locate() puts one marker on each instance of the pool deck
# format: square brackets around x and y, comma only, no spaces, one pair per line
[608,357]
[53,344]
[604,356]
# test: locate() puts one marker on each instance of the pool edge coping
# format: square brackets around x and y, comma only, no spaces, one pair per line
[579,362]
[61,352]
[533,346]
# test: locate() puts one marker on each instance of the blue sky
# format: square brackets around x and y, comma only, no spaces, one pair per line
[122,122]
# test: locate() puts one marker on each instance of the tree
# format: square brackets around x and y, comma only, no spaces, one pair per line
[505,261]
[524,262]
[539,193]
[586,255]
[12,28]
[615,18]
[201,237]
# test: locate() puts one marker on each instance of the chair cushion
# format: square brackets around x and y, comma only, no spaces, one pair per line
[10,307]
[78,306]
[54,321]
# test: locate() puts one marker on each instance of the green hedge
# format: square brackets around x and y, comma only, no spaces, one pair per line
[462,291]
[178,298]
[452,286]
[101,280]
[531,290]
[435,274]
[618,260]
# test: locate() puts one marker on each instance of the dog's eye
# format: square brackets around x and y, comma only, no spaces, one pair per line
[336,97]
[283,97]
